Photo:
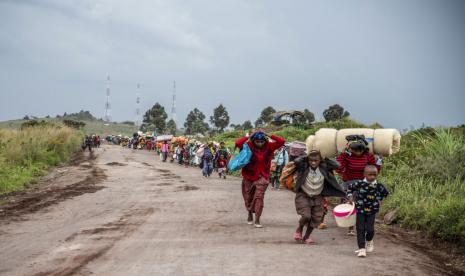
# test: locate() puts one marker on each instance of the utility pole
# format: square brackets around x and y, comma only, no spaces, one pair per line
[137,121]
[107,115]
[173,108]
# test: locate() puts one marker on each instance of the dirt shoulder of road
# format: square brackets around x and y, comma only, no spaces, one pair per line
[451,256]
[76,177]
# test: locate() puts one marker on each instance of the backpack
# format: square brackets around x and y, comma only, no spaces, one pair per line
[207,154]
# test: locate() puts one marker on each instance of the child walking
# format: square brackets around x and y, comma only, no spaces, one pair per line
[367,195]
[315,180]
[222,163]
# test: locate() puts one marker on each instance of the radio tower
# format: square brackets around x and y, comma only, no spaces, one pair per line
[173,108]
[138,107]
[107,116]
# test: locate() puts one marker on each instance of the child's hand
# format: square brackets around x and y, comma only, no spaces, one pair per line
[351,200]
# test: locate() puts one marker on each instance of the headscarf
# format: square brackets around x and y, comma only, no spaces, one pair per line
[259,135]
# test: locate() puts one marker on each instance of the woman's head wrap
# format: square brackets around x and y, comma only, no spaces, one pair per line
[259,135]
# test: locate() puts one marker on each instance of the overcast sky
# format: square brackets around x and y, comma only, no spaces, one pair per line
[399,63]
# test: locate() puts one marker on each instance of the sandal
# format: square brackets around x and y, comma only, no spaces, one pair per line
[309,241]
[297,236]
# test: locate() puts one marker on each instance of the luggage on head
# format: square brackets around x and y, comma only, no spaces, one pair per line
[330,142]
[297,148]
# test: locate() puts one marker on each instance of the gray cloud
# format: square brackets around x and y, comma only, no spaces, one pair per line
[399,63]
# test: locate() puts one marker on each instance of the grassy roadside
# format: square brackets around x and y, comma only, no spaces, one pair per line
[92,126]
[28,153]
[427,182]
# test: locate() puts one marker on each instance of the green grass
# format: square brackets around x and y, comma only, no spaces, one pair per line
[28,153]
[92,127]
[427,183]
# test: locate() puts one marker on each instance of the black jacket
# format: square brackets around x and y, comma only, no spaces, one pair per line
[331,186]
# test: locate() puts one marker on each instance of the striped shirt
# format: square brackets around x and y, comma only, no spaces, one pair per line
[352,166]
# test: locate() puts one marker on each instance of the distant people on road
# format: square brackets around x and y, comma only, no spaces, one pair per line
[256,174]
[87,143]
[222,164]
[315,180]
[185,156]
[367,195]
[96,141]
[165,150]
[281,158]
[207,160]
[172,152]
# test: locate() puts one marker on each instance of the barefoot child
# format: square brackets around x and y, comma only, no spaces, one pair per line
[368,195]
[315,180]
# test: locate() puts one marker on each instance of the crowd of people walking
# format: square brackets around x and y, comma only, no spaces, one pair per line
[352,177]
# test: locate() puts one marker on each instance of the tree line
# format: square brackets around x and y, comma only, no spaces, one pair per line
[156,119]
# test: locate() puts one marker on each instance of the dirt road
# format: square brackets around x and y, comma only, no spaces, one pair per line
[123,212]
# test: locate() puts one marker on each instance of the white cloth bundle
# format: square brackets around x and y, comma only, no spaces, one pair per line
[330,141]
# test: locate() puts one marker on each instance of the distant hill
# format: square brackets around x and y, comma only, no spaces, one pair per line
[93,125]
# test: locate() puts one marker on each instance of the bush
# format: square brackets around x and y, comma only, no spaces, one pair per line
[27,153]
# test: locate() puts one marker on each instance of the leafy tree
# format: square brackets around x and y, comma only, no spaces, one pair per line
[154,118]
[195,122]
[171,127]
[259,123]
[307,119]
[236,127]
[309,116]
[334,113]
[266,116]
[220,118]
[26,117]
[247,125]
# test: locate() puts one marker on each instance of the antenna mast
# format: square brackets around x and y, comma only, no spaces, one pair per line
[138,107]
[173,108]
[107,115]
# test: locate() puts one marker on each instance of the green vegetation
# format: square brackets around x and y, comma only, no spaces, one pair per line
[27,153]
[195,122]
[154,119]
[95,126]
[220,118]
[335,112]
[427,182]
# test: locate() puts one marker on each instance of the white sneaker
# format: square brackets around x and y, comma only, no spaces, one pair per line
[362,253]
[370,246]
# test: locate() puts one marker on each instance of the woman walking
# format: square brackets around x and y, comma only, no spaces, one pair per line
[257,173]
